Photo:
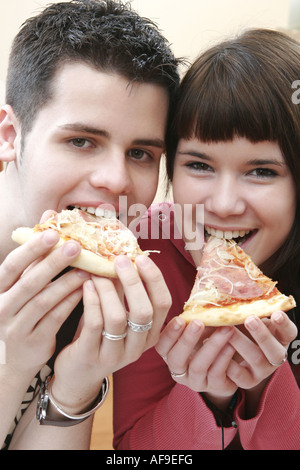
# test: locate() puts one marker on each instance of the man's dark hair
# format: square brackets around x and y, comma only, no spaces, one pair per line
[104,34]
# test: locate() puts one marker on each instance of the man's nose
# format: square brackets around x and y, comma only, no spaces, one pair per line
[112,174]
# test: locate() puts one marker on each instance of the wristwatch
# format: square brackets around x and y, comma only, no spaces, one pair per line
[48,412]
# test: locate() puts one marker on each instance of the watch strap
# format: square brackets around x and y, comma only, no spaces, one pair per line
[46,403]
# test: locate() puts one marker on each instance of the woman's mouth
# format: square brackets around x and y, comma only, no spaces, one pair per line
[239,236]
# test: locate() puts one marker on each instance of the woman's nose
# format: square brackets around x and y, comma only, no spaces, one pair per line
[225,199]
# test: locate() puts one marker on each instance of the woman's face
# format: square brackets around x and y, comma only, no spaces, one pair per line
[246,188]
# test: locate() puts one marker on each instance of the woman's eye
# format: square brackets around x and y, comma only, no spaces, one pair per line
[199,166]
[263,173]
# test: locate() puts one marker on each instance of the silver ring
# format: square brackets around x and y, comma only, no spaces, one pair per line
[280,363]
[175,376]
[139,328]
[114,337]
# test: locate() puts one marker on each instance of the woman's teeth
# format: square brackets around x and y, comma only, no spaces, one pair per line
[228,234]
[239,236]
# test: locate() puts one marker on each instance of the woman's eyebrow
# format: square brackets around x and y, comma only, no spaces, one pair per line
[266,161]
[254,161]
[193,153]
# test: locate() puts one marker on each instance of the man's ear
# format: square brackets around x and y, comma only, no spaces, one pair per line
[9,128]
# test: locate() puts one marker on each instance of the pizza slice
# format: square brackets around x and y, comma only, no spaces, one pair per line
[229,287]
[101,239]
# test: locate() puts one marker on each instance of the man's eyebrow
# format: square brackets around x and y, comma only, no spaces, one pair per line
[150,143]
[79,127]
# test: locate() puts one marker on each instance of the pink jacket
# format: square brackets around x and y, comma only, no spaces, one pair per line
[151,411]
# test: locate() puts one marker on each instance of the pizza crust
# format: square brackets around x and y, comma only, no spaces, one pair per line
[237,313]
[87,260]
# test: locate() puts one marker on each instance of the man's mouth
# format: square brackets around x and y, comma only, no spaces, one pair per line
[100,211]
[239,236]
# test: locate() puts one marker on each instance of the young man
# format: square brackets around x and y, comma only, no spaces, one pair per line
[89,88]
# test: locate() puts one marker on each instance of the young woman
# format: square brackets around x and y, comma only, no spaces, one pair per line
[234,148]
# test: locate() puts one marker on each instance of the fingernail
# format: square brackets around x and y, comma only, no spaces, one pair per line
[228,349]
[90,285]
[277,317]
[178,324]
[123,262]
[225,330]
[142,260]
[50,237]
[196,326]
[71,249]
[83,274]
[252,323]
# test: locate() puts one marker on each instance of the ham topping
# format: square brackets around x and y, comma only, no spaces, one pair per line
[233,282]
[223,276]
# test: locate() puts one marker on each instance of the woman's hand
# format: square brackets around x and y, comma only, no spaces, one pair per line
[263,351]
[32,308]
[220,362]
[81,366]
[199,364]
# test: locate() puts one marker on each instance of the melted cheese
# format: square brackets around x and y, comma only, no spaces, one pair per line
[106,237]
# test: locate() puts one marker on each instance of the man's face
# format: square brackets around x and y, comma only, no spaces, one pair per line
[99,138]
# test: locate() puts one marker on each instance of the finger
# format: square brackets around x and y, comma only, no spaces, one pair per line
[114,324]
[240,375]
[52,322]
[284,329]
[179,356]
[169,336]
[114,315]
[156,286]
[140,308]
[268,344]
[158,293]
[48,298]
[210,351]
[217,371]
[19,259]
[38,277]
[46,215]
[247,349]
[90,336]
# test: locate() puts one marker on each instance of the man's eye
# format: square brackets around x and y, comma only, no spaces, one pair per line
[80,142]
[138,154]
